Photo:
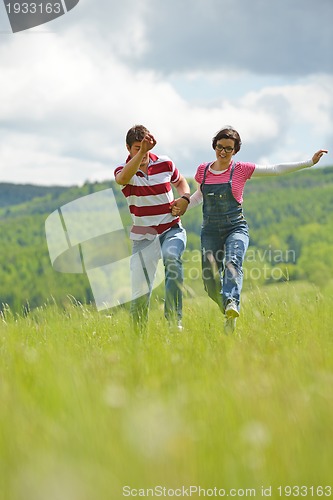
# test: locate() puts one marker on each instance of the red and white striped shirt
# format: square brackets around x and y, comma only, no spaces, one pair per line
[149,197]
[242,173]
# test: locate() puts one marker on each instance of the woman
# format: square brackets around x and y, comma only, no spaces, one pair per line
[224,233]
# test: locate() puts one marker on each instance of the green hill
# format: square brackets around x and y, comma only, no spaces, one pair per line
[14,194]
[291,229]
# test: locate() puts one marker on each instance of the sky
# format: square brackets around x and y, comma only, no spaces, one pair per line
[70,89]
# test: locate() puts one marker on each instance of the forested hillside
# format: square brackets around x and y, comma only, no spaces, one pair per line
[291,228]
[13,194]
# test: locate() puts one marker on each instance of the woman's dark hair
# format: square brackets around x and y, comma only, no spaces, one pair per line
[136,133]
[228,133]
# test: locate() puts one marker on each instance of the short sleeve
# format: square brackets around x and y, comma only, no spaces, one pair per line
[118,169]
[248,169]
[175,174]
[200,173]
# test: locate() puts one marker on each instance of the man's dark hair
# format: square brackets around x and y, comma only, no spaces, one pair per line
[228,133]
[136,133]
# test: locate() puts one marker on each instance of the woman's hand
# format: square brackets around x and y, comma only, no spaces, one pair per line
[316,157]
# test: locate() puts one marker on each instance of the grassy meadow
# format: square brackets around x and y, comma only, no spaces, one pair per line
[87,408]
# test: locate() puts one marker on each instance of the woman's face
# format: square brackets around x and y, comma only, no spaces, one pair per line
[225,149]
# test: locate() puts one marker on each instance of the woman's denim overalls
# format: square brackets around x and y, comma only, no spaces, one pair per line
[224,241]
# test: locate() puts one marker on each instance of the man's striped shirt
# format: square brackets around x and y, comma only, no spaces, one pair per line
[149,197]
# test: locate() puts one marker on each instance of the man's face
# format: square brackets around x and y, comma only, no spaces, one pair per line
[134,149]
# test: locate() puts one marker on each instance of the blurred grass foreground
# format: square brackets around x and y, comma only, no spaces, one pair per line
[91,412]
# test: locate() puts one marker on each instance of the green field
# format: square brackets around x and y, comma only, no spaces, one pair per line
[87,408]
[89,411]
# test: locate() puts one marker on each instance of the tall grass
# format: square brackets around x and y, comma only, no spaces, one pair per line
[87,407]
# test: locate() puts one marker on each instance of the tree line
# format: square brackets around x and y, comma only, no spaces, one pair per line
[290,219]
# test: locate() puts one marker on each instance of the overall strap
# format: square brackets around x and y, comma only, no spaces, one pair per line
[206,170]
[232,171]
[204,175]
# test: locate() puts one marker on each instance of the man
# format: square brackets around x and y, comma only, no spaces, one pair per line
[147,180]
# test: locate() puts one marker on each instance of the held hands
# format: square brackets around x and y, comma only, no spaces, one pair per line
[179,207]
[316,157]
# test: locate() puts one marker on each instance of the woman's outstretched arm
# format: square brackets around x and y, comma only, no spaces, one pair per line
[286,168]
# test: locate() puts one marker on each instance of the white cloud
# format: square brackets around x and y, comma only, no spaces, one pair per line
[67,101]
[310,101]
[258,36]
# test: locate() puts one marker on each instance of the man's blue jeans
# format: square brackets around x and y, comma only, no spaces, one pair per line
[144,264]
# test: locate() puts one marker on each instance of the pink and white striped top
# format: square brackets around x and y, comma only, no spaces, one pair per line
[149,197]
[242,173]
